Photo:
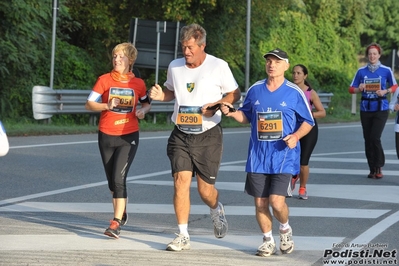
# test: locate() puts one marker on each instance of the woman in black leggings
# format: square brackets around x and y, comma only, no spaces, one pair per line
[308,142]
[374,81]
[394,107]
[119,95]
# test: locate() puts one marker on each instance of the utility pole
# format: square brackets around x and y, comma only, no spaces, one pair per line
[55,11]
[160,28]
[248,45]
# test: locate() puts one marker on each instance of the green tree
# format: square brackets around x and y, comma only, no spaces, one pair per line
[325,35]
[381,20]
[24,50]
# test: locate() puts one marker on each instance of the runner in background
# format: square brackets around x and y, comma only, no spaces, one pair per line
[394,107]
[374,81]
[308,142]
[4,146]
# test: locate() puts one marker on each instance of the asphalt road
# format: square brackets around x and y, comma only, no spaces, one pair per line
[55,206]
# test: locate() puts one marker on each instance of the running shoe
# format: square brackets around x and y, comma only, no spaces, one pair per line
[378,173]
[302,193]
[125,215]
[372,173]
[267,248]
[180,243]
[294,179]
[286,242]
[219,222]
[113,230]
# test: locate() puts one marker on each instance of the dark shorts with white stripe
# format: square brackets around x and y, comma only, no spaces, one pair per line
[198,153]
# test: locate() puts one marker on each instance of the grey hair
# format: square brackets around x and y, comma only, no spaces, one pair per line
[193,31]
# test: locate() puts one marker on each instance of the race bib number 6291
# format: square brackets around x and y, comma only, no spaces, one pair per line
[270,126]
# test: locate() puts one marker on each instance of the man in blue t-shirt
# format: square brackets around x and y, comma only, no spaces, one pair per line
[279,116]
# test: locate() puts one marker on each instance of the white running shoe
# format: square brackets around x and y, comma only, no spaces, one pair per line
[219,222]
[267,248]
[286,242]
[180,243]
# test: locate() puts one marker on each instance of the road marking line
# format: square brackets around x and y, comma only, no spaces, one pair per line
[350,192]
[64,190]
[334,171]
[134,241]
[78,207]
[348,160]
[369,234]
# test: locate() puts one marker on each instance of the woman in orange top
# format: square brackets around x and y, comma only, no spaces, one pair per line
[116,95]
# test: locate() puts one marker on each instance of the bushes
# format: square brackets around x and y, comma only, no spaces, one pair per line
[323,35]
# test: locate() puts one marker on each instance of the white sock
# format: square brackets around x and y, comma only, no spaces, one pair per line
[269,234]
[216,210]
[183,229]
[284,226]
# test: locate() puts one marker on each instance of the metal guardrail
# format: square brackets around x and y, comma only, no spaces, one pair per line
[47,102]
[325,98]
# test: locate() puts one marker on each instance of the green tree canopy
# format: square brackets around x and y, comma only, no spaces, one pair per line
[327,36]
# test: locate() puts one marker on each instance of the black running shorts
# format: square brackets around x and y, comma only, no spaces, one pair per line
[199,153]
[263,185]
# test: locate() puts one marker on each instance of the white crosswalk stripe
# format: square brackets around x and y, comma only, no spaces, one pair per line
[336,201]
[73,207]
[135,241]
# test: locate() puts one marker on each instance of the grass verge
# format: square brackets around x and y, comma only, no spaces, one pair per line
[39,128]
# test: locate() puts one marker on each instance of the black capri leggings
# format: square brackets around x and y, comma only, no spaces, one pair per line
[308,142]
[117,154]
[397,143]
